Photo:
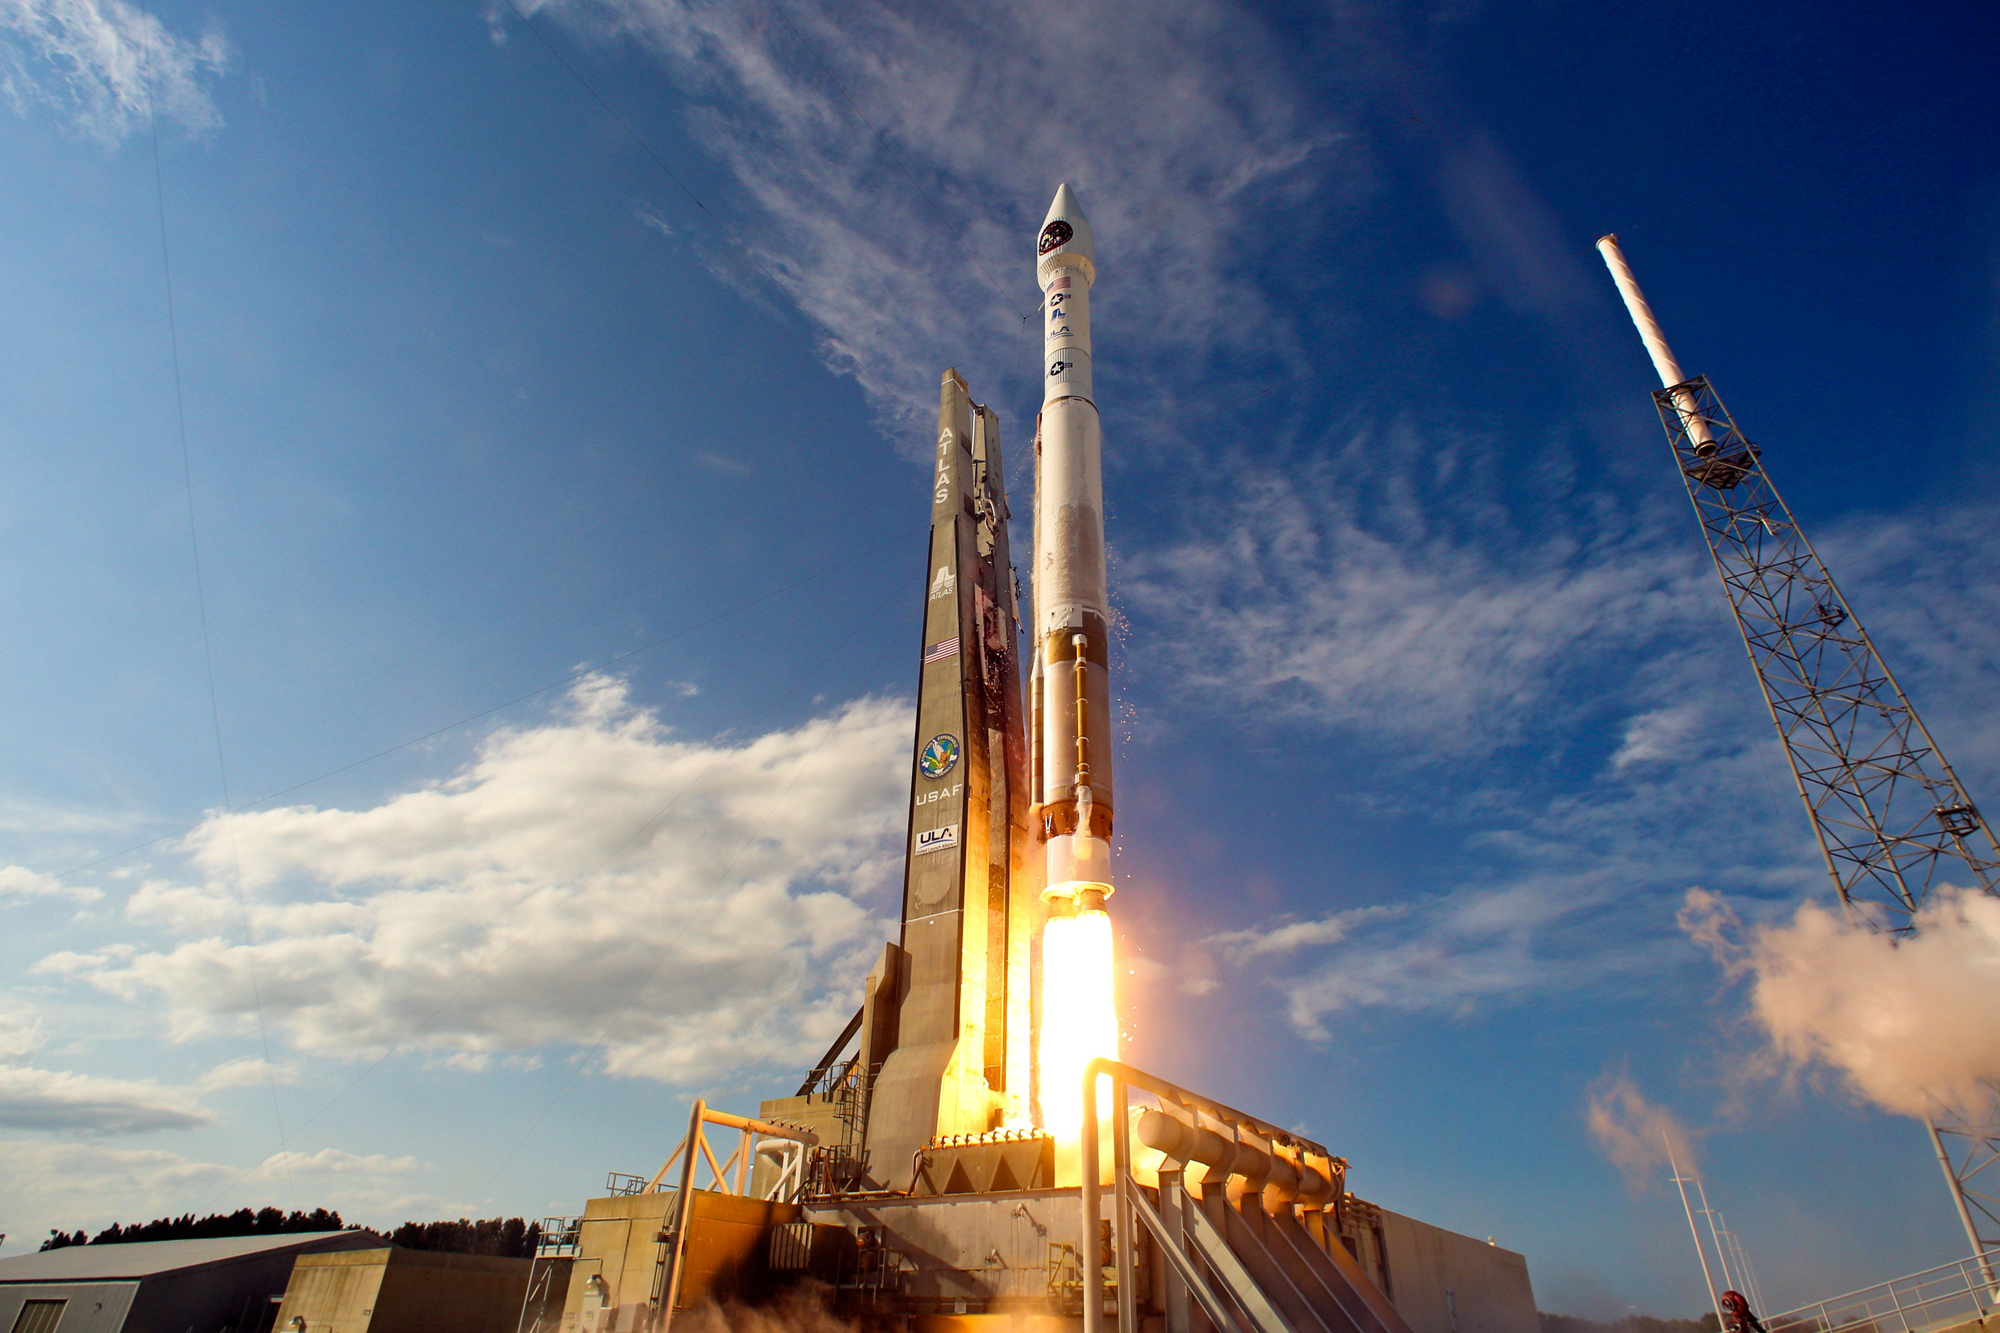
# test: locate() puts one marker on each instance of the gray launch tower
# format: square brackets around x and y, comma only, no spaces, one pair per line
[949,1022]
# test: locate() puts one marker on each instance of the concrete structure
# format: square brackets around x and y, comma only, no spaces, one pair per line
[394,1290]
[230,1284]
[1444,1282]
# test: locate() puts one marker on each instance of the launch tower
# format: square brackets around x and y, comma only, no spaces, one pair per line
[1892,819]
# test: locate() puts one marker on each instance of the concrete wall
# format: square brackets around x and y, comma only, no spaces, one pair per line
[1442,1282]
[93,1307]
[404,1291]
[618,1243]
[333,1293]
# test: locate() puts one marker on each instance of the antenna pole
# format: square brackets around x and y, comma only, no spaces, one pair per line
[1681,1182]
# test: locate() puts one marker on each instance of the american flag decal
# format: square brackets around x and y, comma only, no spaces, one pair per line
[949,648]
[1060,284]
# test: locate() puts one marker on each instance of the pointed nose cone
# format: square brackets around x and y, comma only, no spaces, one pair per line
[1065,240]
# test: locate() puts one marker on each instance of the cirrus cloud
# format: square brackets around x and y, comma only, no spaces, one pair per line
[104,66]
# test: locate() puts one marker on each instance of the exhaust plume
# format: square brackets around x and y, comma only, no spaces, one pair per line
[1634,1133]
[1912,1023]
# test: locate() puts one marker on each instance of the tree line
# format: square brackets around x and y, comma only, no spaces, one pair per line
[509,1237]
[1631,1323]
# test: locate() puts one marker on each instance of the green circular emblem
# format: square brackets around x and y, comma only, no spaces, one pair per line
[939,757]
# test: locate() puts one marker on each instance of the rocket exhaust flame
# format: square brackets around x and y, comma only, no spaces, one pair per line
[1079,1016]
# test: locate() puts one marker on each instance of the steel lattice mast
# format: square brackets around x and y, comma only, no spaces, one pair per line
[1892,819]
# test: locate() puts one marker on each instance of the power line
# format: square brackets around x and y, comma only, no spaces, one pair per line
[57,876]
[200,588]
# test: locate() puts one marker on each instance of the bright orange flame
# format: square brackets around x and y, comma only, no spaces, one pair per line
[1079,1018]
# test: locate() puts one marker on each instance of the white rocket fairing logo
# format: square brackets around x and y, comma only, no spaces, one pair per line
[945,584]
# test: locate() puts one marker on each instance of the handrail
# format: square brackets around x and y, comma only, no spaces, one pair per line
[1194,1101]
[728,1121]
[1826,1314]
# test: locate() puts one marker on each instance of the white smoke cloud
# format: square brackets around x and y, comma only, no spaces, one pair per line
[101,64]
[1634,1133]
[687,908]
[1911,1023]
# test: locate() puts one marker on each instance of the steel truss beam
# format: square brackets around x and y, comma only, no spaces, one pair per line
[1892,819]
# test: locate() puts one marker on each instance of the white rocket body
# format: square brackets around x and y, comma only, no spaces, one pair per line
[1072,757]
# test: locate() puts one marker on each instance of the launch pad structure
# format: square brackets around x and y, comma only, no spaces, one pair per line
[1893,821]
[969,1153]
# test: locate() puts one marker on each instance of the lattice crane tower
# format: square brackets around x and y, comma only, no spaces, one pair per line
[1892,819]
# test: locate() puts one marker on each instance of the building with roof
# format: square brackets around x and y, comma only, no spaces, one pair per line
[229,1284]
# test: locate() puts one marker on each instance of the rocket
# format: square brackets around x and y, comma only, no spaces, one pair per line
[1071,677]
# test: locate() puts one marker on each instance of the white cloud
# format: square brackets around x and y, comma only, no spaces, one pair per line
[1638,1136]
[690,908]
[335,1162]
[1397,608]
[51,1099]
[1912,1024]
[18,884]
[1916,581]
[1289,936]
[71,1183]
[248,1072]
[945,159]
[1454,953]
[1663,735]
[101,63]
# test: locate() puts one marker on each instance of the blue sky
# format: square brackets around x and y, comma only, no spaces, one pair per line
[1433,711]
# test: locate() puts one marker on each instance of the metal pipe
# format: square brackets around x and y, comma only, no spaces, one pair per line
[1080,643]
[1655,339]
[1093,1213]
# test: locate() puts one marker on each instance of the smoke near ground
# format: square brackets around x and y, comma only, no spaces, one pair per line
[1912,1024]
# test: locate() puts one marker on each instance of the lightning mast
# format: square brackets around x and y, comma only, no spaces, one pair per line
[1891,817]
